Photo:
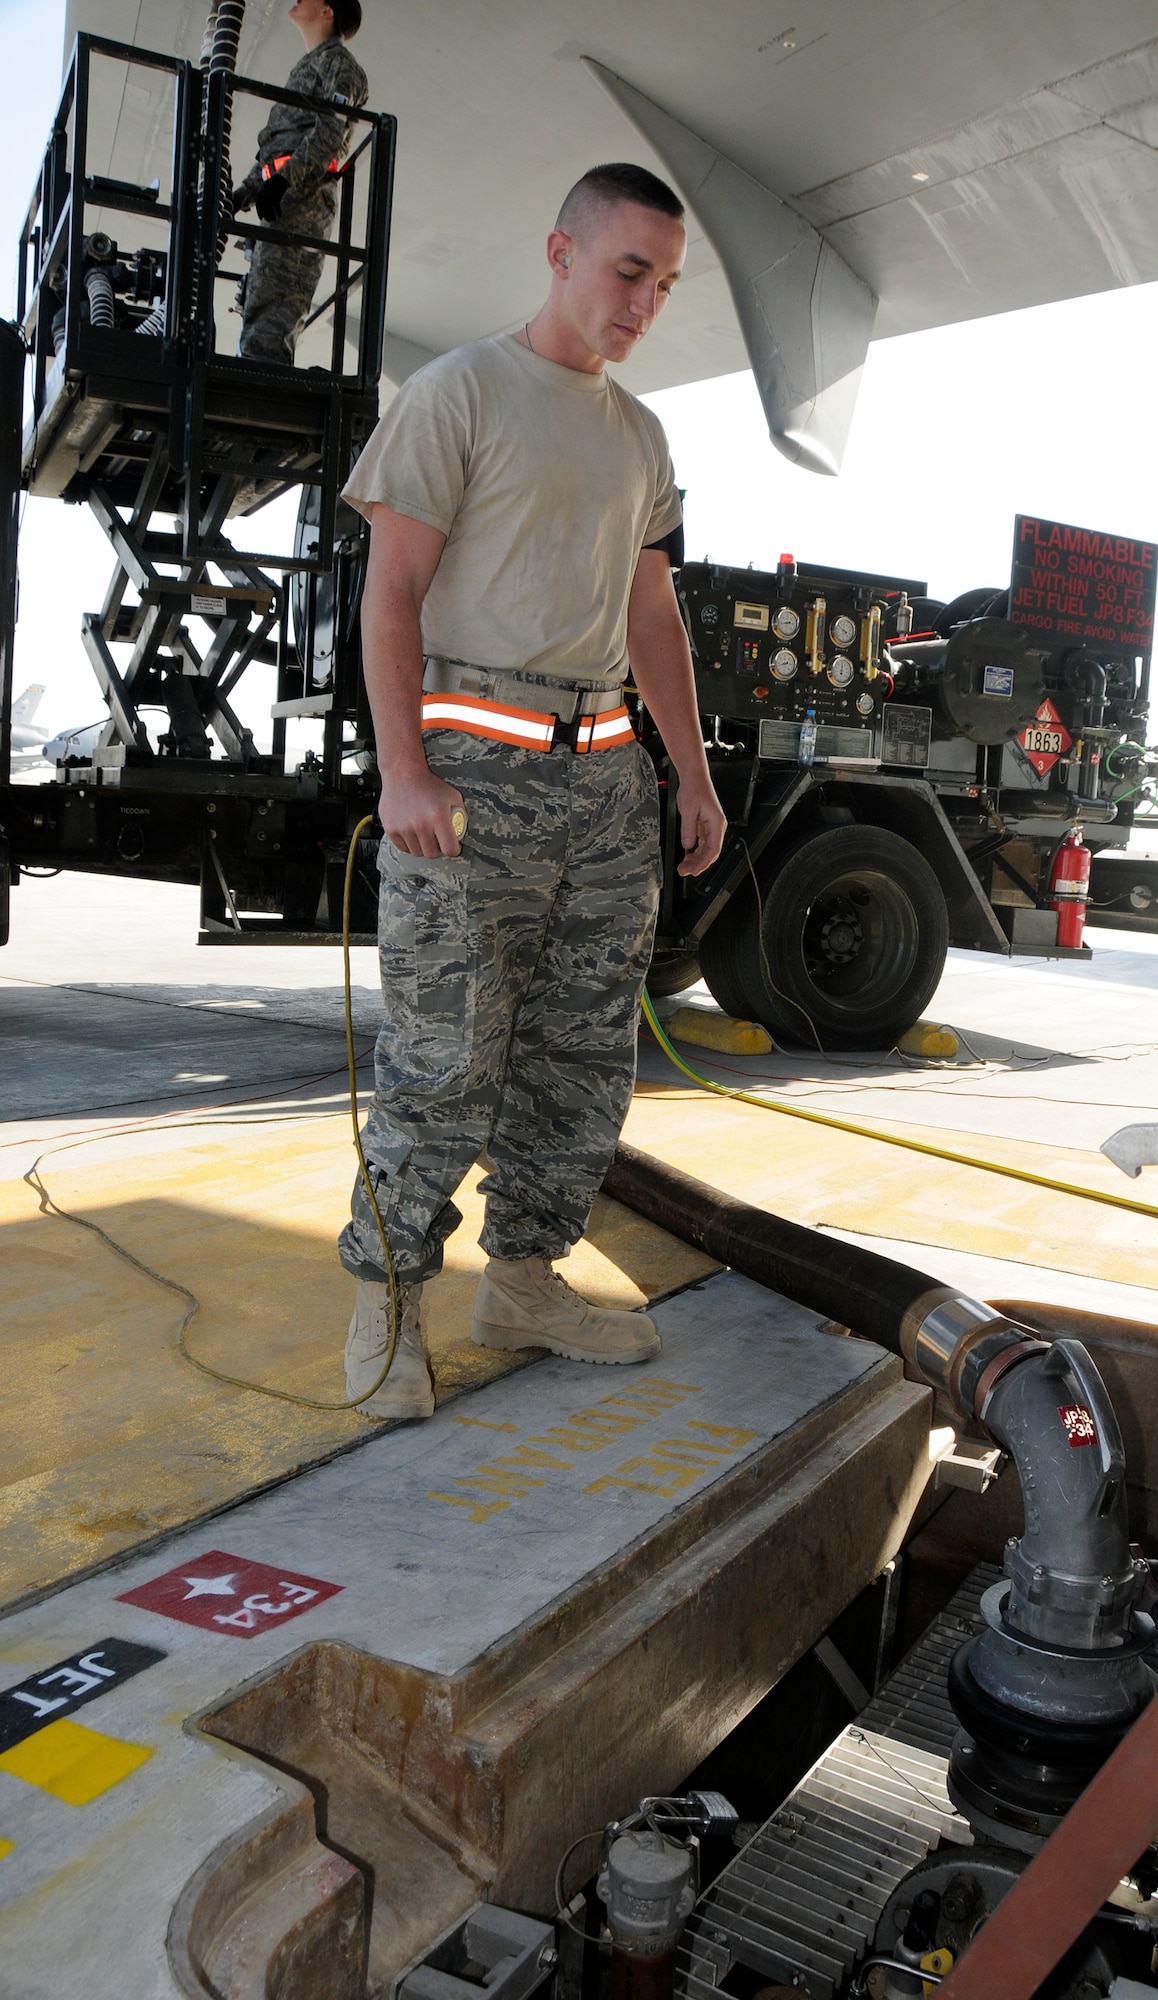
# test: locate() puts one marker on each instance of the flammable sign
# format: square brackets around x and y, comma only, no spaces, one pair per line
[1045,739]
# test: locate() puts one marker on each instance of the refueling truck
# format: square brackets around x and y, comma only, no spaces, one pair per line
[899,774]
[902,774]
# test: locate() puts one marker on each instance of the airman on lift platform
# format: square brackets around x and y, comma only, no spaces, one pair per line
[291,183]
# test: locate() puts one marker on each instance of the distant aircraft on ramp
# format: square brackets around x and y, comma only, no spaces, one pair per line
[28,741]
[34,748]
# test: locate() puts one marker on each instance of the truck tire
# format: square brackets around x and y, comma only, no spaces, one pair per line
[672,972]
[851,943]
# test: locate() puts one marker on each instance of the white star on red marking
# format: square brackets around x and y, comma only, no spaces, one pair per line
[209,1586]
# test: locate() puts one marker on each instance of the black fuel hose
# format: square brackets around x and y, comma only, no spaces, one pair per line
[951,1341]
[870,1294]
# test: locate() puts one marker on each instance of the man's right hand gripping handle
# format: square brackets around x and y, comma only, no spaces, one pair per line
[420,813]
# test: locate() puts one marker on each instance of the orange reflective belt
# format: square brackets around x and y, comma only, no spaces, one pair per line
[600,732]
[272,167]
[528,728]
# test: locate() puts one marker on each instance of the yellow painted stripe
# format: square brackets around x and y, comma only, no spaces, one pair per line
[74,1764]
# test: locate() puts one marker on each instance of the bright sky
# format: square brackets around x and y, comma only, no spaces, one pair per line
[1052,411]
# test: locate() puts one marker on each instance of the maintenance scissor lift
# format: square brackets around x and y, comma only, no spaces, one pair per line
[117,393]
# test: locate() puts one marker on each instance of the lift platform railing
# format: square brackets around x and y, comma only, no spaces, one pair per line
[114,333]
[364,184]
[53,310]
[134,408]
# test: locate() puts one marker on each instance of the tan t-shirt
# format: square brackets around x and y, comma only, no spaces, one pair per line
[547,483]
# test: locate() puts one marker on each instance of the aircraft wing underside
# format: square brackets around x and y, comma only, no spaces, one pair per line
[854,168]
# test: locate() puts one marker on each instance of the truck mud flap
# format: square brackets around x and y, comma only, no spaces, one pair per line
[908,807]
[911,808]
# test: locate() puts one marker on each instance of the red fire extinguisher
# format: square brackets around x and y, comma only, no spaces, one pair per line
[1069,887]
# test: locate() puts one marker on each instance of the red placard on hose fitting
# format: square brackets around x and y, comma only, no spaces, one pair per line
[1079,1423]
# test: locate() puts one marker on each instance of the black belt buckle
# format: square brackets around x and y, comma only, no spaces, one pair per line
[566,734]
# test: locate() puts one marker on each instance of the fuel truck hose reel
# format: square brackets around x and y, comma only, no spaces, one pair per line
[1050,1687]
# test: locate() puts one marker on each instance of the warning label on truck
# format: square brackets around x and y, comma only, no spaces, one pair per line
[906,736]
[1084,586]
[1045,739]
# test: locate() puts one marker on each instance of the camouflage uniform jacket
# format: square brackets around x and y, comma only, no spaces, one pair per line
[311,138]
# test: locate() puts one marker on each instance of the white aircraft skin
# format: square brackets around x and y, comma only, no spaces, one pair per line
[79,742]
[851,170]
[33,749]
[28,741]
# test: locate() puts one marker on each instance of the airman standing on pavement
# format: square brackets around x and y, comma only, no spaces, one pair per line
[521,506]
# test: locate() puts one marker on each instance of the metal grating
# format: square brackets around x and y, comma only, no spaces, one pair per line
[801,1901]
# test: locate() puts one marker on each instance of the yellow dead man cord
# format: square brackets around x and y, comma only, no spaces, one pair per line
[887,1138]
[192,1303]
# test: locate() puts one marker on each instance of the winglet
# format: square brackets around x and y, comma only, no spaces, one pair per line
[805,315]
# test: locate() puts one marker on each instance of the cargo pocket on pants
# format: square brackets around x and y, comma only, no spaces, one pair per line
[445,960]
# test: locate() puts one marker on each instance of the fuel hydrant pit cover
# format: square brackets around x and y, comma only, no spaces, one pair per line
[524,1587]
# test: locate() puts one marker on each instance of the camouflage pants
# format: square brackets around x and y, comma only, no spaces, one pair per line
[510,978]
[279,288]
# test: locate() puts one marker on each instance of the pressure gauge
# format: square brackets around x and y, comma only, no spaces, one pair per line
[843,630]
[786,623]
[784,663]
[709,616]
[865,703]
[840,671]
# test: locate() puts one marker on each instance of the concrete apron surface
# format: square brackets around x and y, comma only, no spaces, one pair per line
[108,1437]
[109,1440]
[515,1620]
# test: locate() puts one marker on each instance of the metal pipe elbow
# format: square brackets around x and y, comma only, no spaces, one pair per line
[1074,1581]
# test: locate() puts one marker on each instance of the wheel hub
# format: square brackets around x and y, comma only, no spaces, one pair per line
[841,936]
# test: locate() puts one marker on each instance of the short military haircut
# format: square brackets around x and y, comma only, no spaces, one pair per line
[347,17]
[602,187]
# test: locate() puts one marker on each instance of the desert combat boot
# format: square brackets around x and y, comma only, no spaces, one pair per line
[523,1302]
[408,1390]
